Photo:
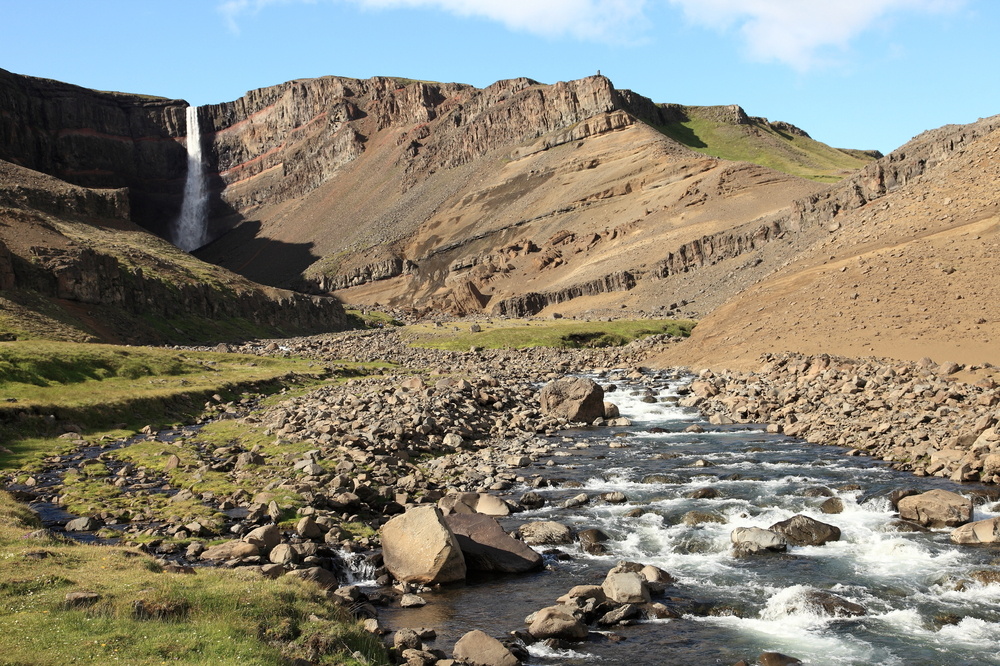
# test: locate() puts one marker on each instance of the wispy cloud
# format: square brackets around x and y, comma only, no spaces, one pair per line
[599,20]
[800,33]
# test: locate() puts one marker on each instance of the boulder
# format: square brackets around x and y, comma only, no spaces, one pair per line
[776,659]
[829,604]
[554,622]
[802,530]
[418,547]
[230,550]
[308,528]
[283,553]
[592,541]
[322,577]
[491,505]
[545,532]
[583,592]
[752,540]
[412,601]
[626,588]
[477,648]
[832,505]
[532,500]
[981,531]
[573,399]
[936,508]
[694,518]
[486,547]
[85,524]
[265,538]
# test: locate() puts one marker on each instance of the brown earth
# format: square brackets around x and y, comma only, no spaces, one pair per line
[908,275]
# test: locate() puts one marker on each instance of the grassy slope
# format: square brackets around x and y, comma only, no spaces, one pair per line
[527,333]
[760,144]
[110,390]
[215,616]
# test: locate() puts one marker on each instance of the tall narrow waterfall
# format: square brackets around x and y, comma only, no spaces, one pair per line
[190,232]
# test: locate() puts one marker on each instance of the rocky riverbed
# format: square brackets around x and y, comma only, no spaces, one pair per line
[466,432]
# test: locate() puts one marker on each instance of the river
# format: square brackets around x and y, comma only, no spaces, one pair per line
[923,608]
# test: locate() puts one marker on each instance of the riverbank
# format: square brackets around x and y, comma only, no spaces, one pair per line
[929,419]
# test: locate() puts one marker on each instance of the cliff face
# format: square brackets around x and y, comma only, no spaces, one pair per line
[382,189]
[98,140]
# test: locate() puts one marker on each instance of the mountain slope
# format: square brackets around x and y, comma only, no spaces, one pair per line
[519,198]
[508,199]
[74,267]
[727,132]
[903,265]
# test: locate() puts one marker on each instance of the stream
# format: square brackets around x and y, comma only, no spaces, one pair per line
[923,607]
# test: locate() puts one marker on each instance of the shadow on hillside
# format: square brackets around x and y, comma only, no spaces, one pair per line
[683,134]
[263,260]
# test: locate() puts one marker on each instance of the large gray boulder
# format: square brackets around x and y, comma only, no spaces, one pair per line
[554,622]
[265,537]
[802,530]
[84,524]
[478,648]
[545,532]
[626,588]
[486,547]
[230,550]
[753,540]
[573,398]
[418,547]
[491,505]
[981,531]
[936,508]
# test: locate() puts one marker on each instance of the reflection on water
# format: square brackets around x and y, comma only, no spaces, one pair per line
[923,608]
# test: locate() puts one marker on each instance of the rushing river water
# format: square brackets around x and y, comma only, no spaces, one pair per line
[922,606]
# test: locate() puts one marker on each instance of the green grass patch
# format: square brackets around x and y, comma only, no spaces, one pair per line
[761,144]
[111,390]
[370,319]
[143,616]
[561,333]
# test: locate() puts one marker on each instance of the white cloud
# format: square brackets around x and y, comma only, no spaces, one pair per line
[798,32]
[600,20]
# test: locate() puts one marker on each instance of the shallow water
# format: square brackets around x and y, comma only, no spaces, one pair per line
[918,612]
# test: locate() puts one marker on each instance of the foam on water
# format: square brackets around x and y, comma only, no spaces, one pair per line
[542,651]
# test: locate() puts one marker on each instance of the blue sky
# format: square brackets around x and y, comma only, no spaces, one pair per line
[852,73]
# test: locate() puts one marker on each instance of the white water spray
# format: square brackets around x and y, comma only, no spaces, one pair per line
[190,232]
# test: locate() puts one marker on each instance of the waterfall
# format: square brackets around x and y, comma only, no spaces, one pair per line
[190,232]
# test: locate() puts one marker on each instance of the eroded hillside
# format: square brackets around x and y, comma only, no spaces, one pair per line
[74,267]
[510,199]
[904,265]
